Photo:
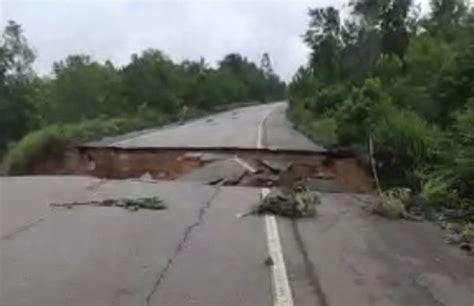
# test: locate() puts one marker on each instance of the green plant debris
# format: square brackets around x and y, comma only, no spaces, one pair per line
[390,204]
[153,203]
[460,234]
[299,202]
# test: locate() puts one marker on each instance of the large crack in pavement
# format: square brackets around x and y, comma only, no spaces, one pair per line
[311,274]
[186,235]
[13,234]
[336,171]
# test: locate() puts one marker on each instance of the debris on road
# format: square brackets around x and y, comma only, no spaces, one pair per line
[399,203]
[390,204]
[297,202]
[153,203]
[460,234]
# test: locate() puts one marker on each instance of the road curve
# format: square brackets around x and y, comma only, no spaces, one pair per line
[236,128]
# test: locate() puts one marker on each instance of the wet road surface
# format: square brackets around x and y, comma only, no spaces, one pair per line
[199,251]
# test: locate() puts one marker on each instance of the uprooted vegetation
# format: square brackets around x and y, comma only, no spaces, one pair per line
[457,222]
[152,203]
[296,202]
[461,234]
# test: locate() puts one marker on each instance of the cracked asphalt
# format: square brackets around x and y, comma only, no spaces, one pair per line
[199,251]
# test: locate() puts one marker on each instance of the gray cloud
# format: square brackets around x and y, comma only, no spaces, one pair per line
[182,29]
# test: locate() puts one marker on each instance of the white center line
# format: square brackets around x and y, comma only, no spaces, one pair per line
[260,130]
[244,164]
[280,285]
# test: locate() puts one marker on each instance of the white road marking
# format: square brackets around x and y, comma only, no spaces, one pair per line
[281,287]
[260,130]
[244,164]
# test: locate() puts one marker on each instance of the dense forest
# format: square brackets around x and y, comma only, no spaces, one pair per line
[389,78]
[84,99]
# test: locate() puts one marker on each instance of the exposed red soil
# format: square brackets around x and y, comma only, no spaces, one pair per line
[164,164]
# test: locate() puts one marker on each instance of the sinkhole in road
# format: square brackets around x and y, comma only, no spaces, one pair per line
[331,171]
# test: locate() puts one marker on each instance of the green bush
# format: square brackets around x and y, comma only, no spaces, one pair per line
[404,143]
[327,100]
[388,68]
[299,114]
[55,138]
[467,232]
[358,114]
[464,124]
[34,146]
[437,190]
[463,170]
[323,131]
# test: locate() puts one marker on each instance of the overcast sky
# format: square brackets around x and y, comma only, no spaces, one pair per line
[114,29]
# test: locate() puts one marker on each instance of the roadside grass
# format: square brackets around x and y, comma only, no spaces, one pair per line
[322,131]
[54,139]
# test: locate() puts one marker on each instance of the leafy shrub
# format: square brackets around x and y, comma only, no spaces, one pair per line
[404,142]
[361,110]
[388,68]
[455,86]
[464,124]
[467,233]
[464,160]
[33,147]
[327,100]
[323,131]
[299,113]
[437,190]
[54,139]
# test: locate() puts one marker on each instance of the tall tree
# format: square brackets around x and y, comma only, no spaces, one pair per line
[447,12]
[83,89]
[266,65]
[152,79]
[394,27]
[324,39]
[16,75]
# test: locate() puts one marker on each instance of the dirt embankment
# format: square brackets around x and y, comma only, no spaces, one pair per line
[327,171]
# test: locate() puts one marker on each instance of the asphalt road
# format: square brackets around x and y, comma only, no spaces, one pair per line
[199,251]
[235,129]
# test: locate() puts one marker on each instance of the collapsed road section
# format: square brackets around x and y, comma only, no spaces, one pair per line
[333,171]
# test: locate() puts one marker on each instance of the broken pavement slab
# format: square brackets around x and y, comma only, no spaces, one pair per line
[221,171]
[275,166]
